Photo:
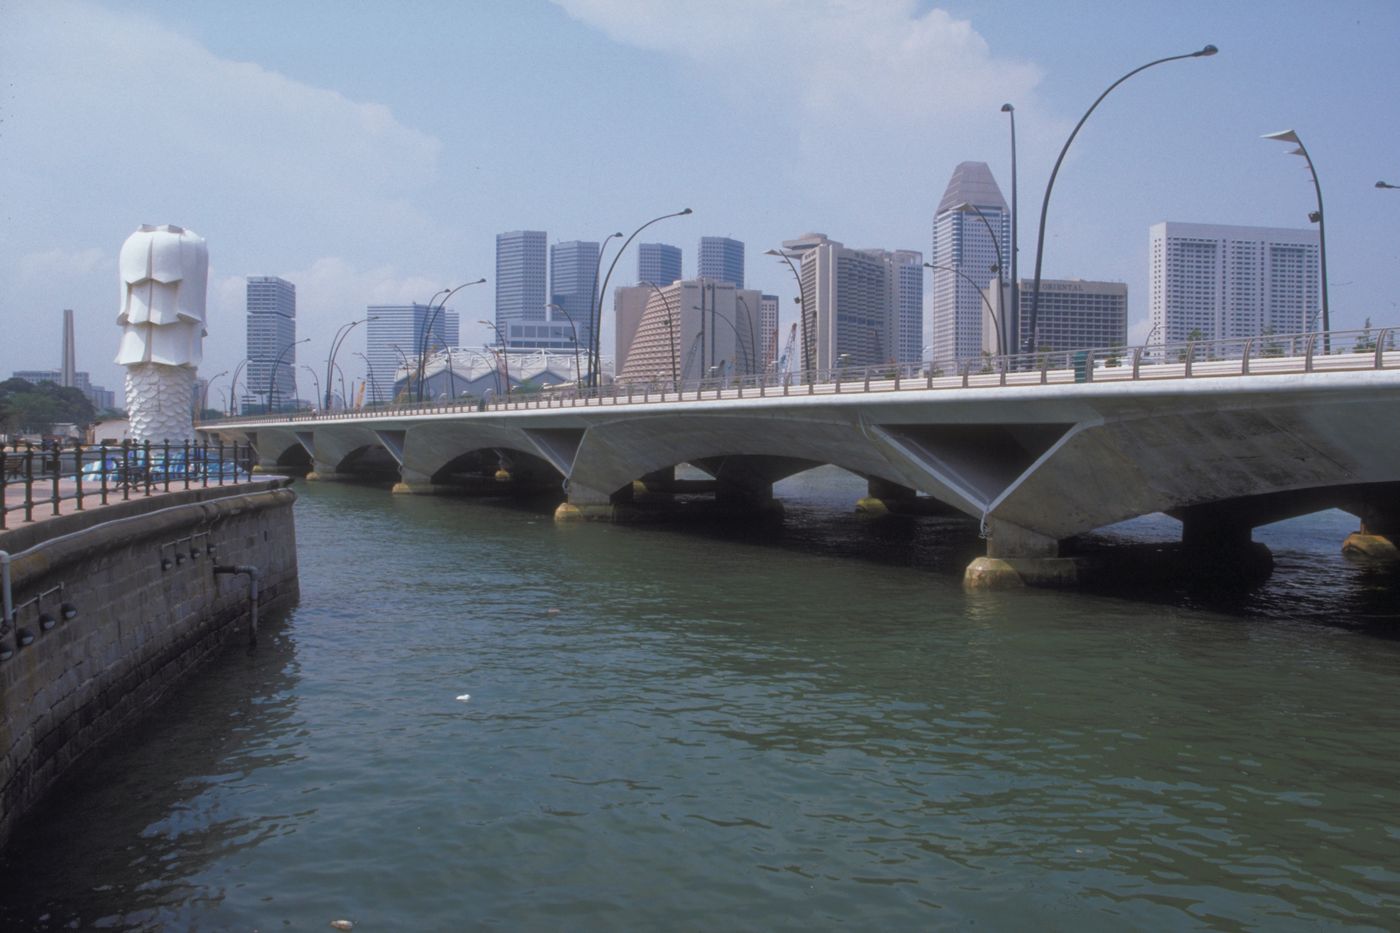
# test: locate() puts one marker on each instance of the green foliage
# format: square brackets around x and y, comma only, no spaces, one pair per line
[27,407]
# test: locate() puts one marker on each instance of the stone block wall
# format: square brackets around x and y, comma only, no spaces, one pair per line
[148,614]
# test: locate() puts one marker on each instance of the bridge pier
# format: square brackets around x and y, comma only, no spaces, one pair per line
[886,498]
[1018,557]
[325,473]
[414,483]
[1379,535]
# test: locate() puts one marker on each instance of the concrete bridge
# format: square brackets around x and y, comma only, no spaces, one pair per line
[1038,451]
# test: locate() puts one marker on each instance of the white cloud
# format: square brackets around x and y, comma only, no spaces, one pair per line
[60,265]
[833,58]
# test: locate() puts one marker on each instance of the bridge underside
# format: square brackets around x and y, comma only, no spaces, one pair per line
[1033,468]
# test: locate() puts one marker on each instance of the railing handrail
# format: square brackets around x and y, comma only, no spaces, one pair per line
[123,468]
[1258,354]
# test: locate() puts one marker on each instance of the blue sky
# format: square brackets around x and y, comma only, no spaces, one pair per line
[369,152]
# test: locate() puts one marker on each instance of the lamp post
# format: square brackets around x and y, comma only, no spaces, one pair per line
[738,340]
[233,385]
[1010,111]
[968,207]
[317,383]
[1382,184]
[1045,204]
[595,302]
[753,338]
[670,329]
[1317,217]
[578,373]
[598,318]
[786,257]
[277,364]
[339,338]
[407,371]
[369,368]
[996,325]
[503,356]
[429,320]
[204,396]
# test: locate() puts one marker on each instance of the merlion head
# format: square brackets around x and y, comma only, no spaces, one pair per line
[164,276]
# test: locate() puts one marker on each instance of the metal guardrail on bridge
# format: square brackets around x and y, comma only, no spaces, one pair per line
[1367,349]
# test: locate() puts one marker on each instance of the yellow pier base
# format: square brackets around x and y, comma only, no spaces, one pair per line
[1007,573]
[871,506]
[1376,547]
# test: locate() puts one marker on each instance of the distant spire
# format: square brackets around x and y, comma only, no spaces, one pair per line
[70,364]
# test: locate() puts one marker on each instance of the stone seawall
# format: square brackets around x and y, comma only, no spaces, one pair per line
[127,605]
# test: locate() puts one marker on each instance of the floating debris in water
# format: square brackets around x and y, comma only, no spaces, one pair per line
[464,698]
[551,612]
[342,925]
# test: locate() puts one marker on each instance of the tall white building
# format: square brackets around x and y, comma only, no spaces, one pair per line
[857,303]
[1212,281]
[395,336]
[768,330]
[272,333]
[520,277]
[965,253]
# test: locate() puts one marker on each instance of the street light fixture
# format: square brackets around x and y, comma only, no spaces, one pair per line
[339,338]
[1382,184]
[429,320]
[233,385]
[578,373]
[787,257]
[598,318]
[204,396]
[1010,111]
[1045,204]
[369,368]
[277,364]
[503,356]
[317,383]
[1289,136]
[595,302]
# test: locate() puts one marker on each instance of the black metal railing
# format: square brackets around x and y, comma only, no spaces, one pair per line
[35,477]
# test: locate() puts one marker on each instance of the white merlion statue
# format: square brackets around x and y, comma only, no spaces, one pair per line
[164,272]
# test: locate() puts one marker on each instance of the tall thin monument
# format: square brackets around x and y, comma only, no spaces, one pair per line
[70,356]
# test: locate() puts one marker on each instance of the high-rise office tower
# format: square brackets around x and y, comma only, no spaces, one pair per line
[395,338]
[907,267]
[768,330]
[1212,281]
[520,277]
[964,254]
[852,302]
[722,260]
[658,263]
[272,334]
[573,272]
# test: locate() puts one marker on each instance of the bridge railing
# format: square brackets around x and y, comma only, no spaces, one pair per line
[38,477]
[1369,348]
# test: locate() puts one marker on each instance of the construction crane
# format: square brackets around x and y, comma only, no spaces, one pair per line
[782,366]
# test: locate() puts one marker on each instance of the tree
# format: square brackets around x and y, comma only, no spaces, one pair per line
[36,408]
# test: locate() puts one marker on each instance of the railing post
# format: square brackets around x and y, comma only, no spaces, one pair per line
[146,464]
[187,463]
[1244,360]
[126,470]
[4,483]
[57,468]
[29,482]
[165,463]
[78,473]
[1381,339]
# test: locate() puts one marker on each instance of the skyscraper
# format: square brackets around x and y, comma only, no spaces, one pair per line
[907,266]
[573,270]
[520,277]
[1073,314]
[768,330]
[1215,281]
[397,334]
[853,301]
[722,260]
[658,263]
[964,254]
[272,334]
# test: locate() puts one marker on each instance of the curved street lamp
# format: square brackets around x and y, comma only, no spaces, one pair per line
[316,382]
[753,334]
[369,368]
[1382,184]
[597,361]
[501,356]
[272,389]
[786,257]
[204,396]
[1029,346]
[233,385]
[336,341]
[996,325]
[967,207]
[1317,217]
[670,329]
[1010,111]
[578,373]
[442,297]
[595,302]
[738,340]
